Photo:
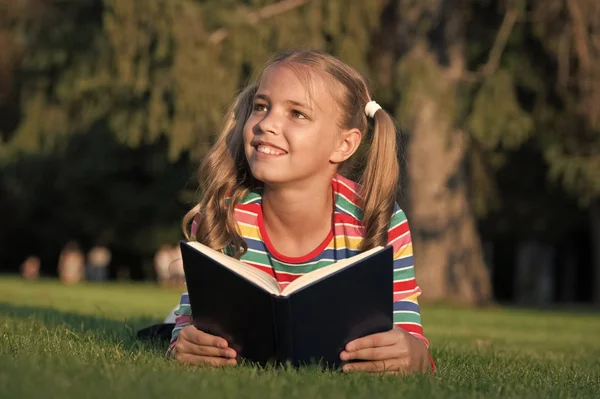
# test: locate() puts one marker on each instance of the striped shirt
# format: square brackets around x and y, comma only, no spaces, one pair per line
[342,242]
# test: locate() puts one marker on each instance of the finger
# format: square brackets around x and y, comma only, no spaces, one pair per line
[396,372]
[192,334]
[202,350]
[186,358]
[378,366]
[373,341]
[378,353]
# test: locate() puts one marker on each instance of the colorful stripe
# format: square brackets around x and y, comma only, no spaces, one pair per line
[344,242]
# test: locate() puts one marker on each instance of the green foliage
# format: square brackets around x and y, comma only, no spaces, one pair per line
[138,79]
[96,191]
[148,67]
[497,118]
[575,158]
[418,79]
[59,53]
[569,122]
[159,74]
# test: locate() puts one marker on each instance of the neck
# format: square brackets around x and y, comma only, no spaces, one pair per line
[298,213]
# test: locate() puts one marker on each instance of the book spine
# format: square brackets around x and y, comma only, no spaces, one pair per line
[283,330]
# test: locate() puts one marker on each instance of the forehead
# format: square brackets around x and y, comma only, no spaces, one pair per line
[298,83]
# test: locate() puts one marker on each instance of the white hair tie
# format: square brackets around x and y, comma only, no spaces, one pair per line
[371,108]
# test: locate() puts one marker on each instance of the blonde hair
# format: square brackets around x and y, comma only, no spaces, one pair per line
[225,177]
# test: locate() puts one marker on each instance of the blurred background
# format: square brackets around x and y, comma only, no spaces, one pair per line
[108,106]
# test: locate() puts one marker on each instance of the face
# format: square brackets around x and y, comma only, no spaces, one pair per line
[292,134]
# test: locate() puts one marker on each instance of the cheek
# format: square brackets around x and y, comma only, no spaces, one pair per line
[248,131]
[317,144]
[310,152]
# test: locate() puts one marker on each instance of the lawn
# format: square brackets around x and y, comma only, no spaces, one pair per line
[76,342]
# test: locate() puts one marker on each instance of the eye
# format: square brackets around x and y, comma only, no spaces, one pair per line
[259,107]
[298,114]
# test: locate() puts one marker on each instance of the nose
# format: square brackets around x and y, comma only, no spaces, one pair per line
[270,123]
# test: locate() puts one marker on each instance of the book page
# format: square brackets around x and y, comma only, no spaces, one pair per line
[248,272]
[323,272]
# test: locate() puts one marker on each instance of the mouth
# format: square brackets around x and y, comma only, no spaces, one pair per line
[268,149]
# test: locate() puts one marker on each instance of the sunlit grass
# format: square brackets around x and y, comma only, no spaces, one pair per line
[80,342]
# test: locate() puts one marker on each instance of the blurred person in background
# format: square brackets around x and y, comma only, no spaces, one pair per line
[98,260]
[178,278]
[176,274]
[162,260]
[71,264]
[30,268]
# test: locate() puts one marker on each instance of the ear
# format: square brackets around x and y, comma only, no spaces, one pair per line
[347,144]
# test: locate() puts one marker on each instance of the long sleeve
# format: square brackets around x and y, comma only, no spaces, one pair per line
[406,290]
[183,318]
[407,314]
[184,312]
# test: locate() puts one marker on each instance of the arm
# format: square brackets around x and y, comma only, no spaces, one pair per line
[184,312]
[192,346]
[183,319]
[407,314]
[403,349]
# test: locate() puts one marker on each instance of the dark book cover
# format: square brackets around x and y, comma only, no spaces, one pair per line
[311,326]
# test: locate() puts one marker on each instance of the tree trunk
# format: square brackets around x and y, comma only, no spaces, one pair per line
[447,246]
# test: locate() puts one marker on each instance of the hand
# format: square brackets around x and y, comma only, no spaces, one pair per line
[199,348]
[394,352]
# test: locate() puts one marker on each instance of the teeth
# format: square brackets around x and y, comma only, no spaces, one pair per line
[267,150]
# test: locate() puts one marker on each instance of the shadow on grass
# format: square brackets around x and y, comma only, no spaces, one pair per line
[102,329]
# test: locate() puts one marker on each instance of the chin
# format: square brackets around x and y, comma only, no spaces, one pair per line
[269,177]
[266,173]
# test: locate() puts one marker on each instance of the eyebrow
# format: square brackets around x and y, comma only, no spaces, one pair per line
[291,102]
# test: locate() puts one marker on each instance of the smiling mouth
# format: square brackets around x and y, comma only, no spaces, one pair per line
[268,150]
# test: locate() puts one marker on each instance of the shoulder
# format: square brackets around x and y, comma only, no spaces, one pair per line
[399,232]
[398,217]
[349,188]
[348,198]
[249,207]
[250,202]
[252,198]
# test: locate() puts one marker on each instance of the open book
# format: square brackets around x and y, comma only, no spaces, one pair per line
[310,321]
[267,282]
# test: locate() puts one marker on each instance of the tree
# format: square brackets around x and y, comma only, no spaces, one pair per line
[54,45]
[434,99]
[153,67]
[157,68]
[570,32]
[471,83]
[146,72]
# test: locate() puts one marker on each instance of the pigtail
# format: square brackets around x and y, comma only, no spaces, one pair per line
[224,179]
[379,181]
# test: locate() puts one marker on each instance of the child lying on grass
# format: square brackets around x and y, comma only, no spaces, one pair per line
[273,196]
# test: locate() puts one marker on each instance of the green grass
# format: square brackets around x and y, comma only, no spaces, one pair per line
[80,342]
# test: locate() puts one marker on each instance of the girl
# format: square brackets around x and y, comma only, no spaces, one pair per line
[273,196]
